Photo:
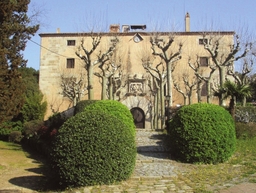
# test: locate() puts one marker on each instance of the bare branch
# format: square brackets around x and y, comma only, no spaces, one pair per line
[73,87]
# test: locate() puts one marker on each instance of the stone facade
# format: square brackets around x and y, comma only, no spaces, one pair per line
[133,46]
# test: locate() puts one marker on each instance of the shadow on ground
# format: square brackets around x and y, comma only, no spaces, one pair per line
[36,183]
[43,180]
[154,154]
[159,150]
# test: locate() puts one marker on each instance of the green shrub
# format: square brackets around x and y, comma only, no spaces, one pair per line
[31,129]
[245,130]
[114,108]
[80,106]
[55,122]
[38,137]
[202,133]
[6,128]
[15,137]
[91,148]
[34,107]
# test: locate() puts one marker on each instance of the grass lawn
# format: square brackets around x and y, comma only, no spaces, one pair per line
[12,155]
[241,167]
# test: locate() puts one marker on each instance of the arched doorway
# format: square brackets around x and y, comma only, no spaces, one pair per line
[138,117]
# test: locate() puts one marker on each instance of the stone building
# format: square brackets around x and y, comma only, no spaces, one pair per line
[59,62]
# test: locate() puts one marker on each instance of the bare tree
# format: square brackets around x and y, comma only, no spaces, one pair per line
[73,87]
[189,85]
[107,72]
[199,74]
[165,51]
[90,62]
[55,104]
[159,75]
[108,67]
[223,58]
[117,83]
[153,106]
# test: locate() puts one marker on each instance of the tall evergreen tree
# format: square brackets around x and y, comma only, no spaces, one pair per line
[35,106]
[15,31]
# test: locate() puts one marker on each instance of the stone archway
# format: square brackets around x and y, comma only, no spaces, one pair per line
[141,103]
[138,117]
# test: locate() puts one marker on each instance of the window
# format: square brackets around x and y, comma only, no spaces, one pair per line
[203,41]
[71,42]
[114,40]
[203,61]
[204,90]
[70,63]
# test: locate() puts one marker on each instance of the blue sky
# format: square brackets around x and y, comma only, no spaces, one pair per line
[81,15]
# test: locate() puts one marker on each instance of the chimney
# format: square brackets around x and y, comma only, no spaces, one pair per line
[58,30]
[114,28]
[187,23]
[125,28]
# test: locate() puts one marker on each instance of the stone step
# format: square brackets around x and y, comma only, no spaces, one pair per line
[150,141]
[152,148]
[153,156]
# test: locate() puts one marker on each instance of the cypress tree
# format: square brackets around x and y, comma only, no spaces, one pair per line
[15,31]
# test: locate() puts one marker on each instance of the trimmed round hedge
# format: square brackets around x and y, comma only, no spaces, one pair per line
[93,148]
[115,108]
[80,106]
[202,133]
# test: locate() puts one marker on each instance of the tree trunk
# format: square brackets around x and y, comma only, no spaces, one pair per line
[222,80]
[110,88]
[209,95]
[74,102]
[232,107]
[244,101]
[162,105]
[151,115]
[155,118]
[185,99]
[90,83]
[104,87]
[169,84]
[190,99]
[199,91]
